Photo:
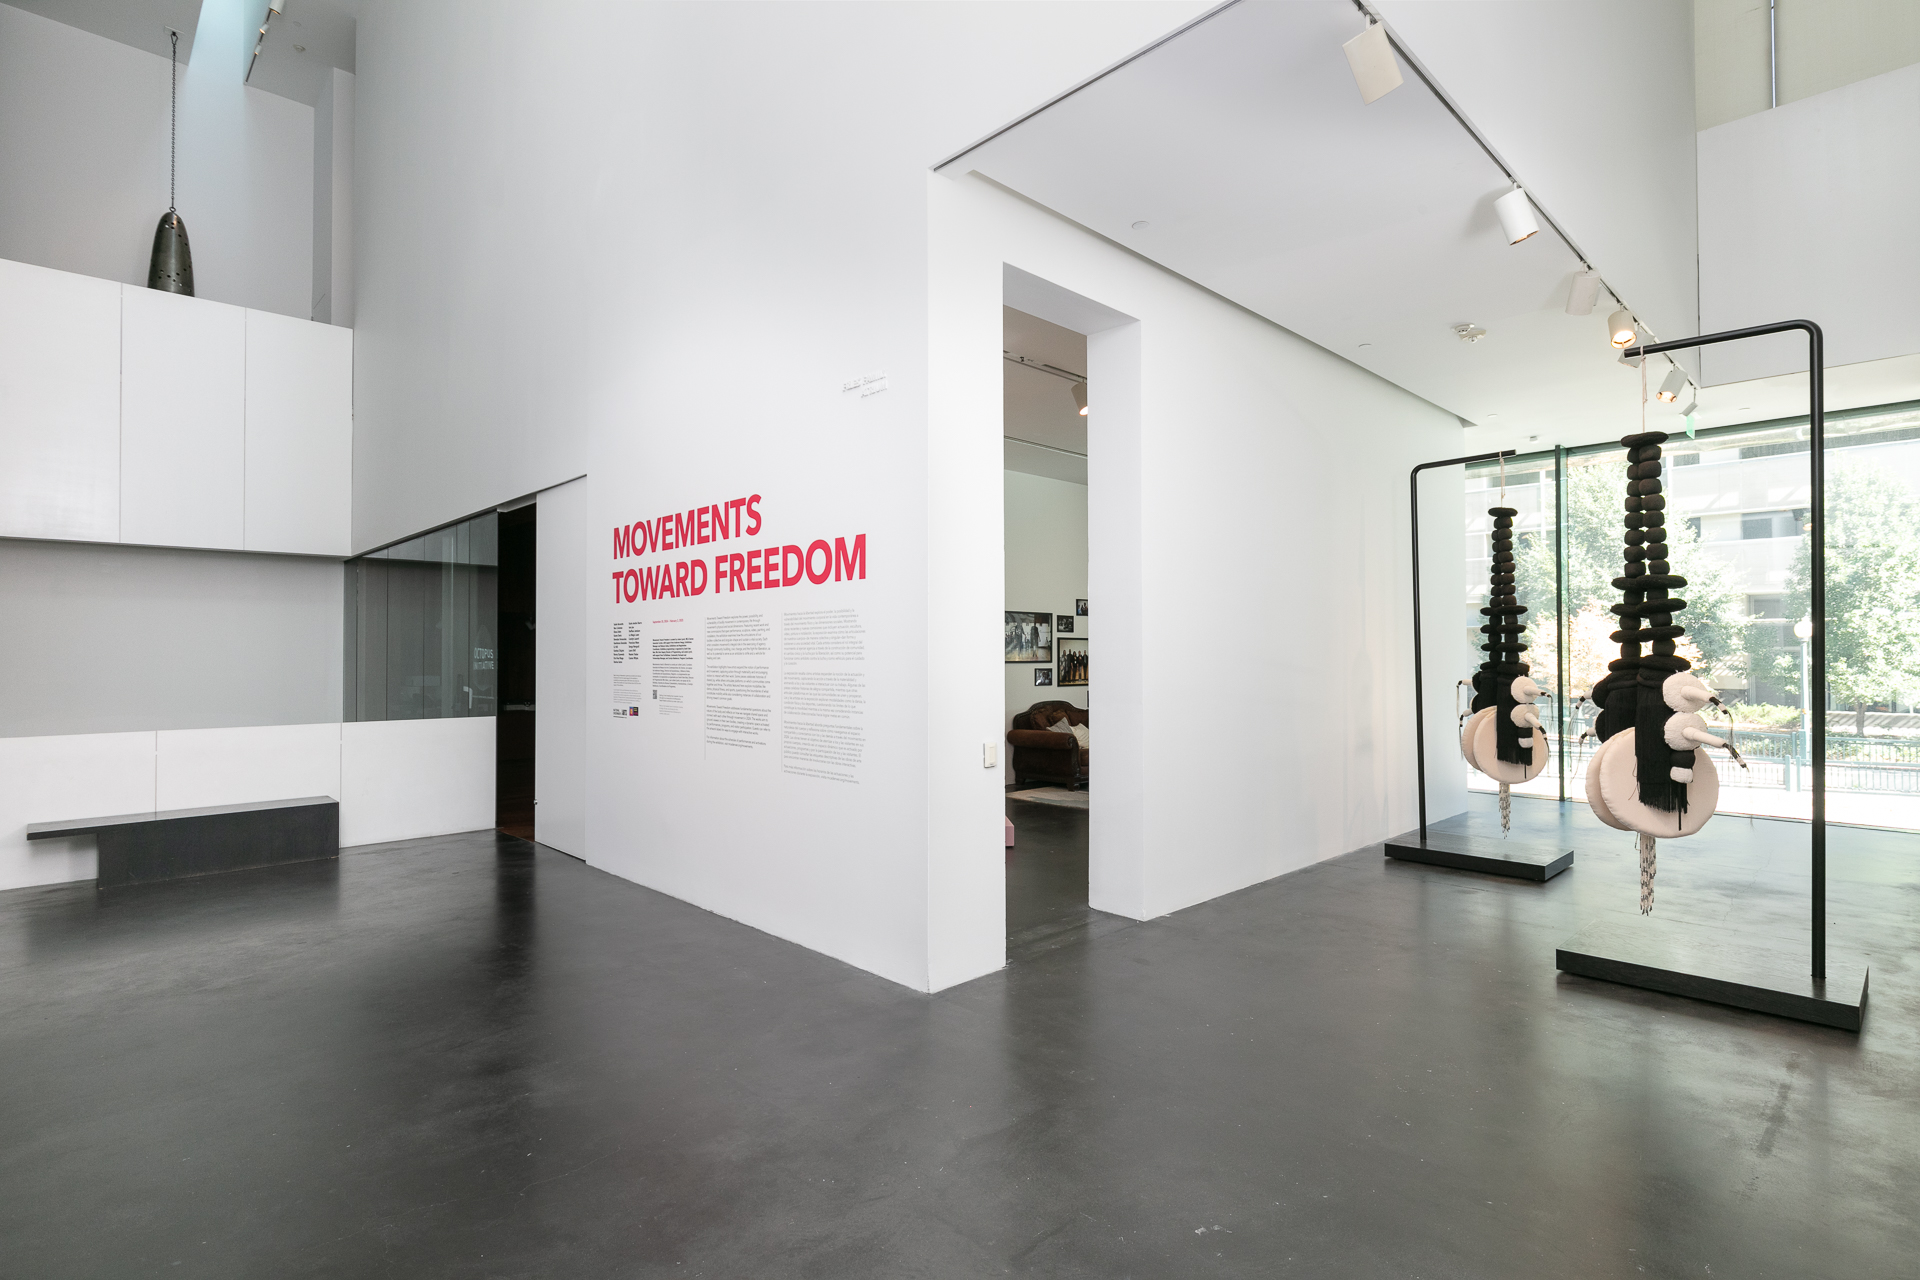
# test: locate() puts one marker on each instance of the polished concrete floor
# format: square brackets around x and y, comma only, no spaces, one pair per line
[472,1057]
[1047,882]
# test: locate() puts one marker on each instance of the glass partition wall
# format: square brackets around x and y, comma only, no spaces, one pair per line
[421,618]
[1737,530]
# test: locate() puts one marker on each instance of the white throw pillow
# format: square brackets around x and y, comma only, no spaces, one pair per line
[1080,734]
[1061,726]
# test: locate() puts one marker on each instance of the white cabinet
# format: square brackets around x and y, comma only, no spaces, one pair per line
[59,405]
[299,435]
[182,420]
[131,415]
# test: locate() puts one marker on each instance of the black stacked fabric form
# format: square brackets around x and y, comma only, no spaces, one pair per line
[1629,695]
[1506,641]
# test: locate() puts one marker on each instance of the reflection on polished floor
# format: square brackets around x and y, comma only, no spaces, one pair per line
[1047,882]
[470,1056]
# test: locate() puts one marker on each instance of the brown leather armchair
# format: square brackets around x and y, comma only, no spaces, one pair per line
[1042,755]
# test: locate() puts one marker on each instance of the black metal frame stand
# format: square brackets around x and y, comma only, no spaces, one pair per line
[1660,956]
[1446,848]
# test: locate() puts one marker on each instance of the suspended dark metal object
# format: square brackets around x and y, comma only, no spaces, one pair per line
[172,266]
[171,269]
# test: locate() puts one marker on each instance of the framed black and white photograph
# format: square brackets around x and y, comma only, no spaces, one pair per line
[1080,607]
[1073,662]
[1063,624]
[1029,637]
[1043,675]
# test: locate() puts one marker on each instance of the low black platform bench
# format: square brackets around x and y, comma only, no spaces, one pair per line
[139,848]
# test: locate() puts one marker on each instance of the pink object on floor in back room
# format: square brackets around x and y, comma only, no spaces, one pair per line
[1009,833]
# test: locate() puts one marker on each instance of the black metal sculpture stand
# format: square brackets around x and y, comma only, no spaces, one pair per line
[1446,848]
[1662,956]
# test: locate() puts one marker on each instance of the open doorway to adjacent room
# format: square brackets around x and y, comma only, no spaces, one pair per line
[1047,758]
[513,728]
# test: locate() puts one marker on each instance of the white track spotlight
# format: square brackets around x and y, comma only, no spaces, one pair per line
[1080,397]
[1370,55]
[1620,328]
[1584,293]
[1673,385]
[1516,216]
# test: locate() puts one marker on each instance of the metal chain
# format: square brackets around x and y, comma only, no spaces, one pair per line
[173,121]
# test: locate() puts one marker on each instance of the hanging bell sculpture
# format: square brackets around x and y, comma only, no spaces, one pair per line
[171,270]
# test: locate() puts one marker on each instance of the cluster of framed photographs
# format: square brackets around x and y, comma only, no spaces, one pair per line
[1039,637]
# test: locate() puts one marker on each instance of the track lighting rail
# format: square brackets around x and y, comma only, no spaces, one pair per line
[1043,367]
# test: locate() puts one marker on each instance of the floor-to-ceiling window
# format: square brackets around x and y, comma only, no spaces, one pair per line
[1738,524]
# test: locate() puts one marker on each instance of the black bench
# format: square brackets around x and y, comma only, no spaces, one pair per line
[138,848]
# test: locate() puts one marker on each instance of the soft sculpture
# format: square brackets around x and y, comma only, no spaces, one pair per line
[1503,738]
[1651,774]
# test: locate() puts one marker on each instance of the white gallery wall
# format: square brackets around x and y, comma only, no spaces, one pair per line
[568,613]
[1805,213]
[394,779]
[656,257]
[1046,571]
[99,639]
[333,200]
[83,160]
[1232,468]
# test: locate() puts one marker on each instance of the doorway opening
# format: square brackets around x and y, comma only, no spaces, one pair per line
[1048,756]
[513,727]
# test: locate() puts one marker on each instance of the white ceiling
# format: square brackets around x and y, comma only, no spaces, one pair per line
[307,40]
[1368,229]
[1048,435]
[141,23]
[303,43]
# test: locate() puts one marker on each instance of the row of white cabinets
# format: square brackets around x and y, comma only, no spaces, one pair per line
[130,415]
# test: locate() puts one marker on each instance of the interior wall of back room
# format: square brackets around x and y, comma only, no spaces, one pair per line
[697,271]
[83,160]
[1046,555]
[1247,537]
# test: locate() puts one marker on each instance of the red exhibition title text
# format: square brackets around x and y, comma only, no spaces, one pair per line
[760,569]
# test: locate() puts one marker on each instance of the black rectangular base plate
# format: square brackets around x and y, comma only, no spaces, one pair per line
[1514,859]
[1714,965]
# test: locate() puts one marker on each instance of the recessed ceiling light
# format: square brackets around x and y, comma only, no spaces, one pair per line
[1141,226]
